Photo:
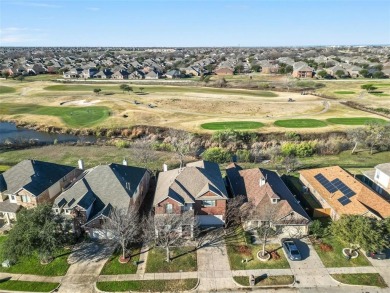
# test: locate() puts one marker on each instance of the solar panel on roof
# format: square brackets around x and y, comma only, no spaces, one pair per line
[325,182]
[344,200]
[348,192]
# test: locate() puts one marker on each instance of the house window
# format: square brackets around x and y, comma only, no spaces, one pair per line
[377,175]
[208,203]
[13,198]
[25,198]
[168,208]
[57,211]
[274,200]
[67,212]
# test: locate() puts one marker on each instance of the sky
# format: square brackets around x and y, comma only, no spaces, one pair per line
[194,23]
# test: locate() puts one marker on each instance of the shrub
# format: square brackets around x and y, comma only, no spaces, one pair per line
[243,249]
[326,247]
[243,155]
[163,146]
[302,149]
[217,155]
[120,144]
[275,255]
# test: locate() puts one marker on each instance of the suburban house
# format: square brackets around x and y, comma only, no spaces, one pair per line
[152,75]
[340,193]
[302,70]
[88,201]
[30,183]
[197,187]
[270,199]
[174,73]
[379,179]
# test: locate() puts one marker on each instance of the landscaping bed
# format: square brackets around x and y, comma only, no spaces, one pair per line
[114,267]
[182,259]
[370,279]
[13,285]
[330,252]
[148,285]
[283,280]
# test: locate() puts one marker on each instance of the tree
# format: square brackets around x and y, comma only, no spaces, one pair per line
[5,73]
[206,79]
[368,87]
[97,91]
[123,87]
[143,152]
[357,135]
[340,73]
[181,142]
[37,230]
[364,231]
[129,89]
[233,211]
[378,135]
[290,163]
[364,73]
[141,89]
[217,155]
[173,229]
[20,78]
[256,68]
[123,227]
[378,74]
[221,82]
[322,73]
[239,68]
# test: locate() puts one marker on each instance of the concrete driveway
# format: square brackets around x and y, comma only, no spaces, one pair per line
[382,266]
[310,271]
[87,260]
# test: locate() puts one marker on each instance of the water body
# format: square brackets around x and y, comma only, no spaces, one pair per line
[9,132]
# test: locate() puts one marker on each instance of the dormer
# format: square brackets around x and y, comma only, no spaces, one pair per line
[262,181]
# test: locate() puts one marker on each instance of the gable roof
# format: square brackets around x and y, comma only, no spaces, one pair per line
[365,200]
[247,183]
[34,176]
[101,186]
[191,182]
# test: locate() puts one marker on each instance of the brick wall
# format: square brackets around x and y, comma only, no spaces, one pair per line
[218,209]
[160,208]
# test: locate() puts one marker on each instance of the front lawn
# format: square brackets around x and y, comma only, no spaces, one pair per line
[282,280]
[335,257]
[148,285]
[31,264]
[114,267]
[13,285]
[182,259]
[361,279]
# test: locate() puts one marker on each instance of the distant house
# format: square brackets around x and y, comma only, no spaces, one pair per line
[89,201]
[379,179]
[30,183]
[302,71]
[120,74]
[332,71]
[197,187]
[340,193]
[138,74]
[224,71]
[173,74]
[152,75]
[270,198]
[73,73]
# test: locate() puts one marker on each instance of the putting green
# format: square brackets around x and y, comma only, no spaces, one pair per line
[345,92]
[72,116]
[355,120]
[6,89]
[232,125]
[300,123]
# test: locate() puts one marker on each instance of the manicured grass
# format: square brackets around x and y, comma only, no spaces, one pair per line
[355,120]
[282,280]
[300,123]
[72,116]
[372,279]
[4,168]
[114,267]
[182,259]
[148,285]
[31,264]
[344,92]
[232,125]
[335,258]
[6,89]
[380,94]
[166,89]
[12,285]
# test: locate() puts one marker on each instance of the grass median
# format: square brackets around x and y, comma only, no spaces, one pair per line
[148,285]
[27,286]
[369,279]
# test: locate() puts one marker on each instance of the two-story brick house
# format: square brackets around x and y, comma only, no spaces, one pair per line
[197,187]
[32,182]
[89,201]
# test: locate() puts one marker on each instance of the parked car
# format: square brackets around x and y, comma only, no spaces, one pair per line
[291,249]
[376,254]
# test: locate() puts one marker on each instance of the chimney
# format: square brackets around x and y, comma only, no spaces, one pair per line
[81,164]
[124,162]
[165,167]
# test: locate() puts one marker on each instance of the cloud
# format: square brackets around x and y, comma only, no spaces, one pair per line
[12,35]
[35,4]
[93,8]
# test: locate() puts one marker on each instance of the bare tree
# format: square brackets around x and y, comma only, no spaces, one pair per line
[357,135]
[143,152]
[290,163]
[378,135]
[234,211]
[173,229]
[256,151]
[122,227]
[182,144]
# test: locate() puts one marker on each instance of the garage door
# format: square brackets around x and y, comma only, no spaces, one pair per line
[99,234]
[210,220]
